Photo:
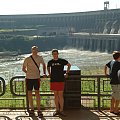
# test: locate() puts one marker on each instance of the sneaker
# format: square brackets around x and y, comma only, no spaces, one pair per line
[56,113]
[31,113]
[62,114]
[40,115]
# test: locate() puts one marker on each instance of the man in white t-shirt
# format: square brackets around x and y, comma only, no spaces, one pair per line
[31,68]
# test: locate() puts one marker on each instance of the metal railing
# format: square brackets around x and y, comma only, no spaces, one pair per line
[95,90]
[89,91]
[2,86]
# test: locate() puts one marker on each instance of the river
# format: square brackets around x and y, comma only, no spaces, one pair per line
[89,62]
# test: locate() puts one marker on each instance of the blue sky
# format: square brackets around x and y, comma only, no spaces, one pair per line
[8,7]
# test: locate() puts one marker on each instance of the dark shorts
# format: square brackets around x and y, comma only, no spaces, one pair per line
[32,83]
[57,86]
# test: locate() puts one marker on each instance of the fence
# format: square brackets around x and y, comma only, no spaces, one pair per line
[89,91]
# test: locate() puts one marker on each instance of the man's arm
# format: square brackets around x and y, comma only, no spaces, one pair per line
[49,71]
[24,69]
[44,68]
[68,68]
[105,70]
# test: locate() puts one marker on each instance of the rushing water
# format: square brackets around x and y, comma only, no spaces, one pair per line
[89,62]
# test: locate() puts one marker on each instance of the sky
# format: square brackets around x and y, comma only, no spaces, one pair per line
[12,7]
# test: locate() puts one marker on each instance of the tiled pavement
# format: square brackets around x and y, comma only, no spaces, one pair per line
[73,114]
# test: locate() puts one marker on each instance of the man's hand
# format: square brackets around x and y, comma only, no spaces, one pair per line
[49,76]
[66,75]
[44,76]
[106,74]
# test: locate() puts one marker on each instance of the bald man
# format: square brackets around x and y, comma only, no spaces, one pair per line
[31,68]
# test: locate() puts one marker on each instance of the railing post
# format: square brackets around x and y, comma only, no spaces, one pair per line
[4,86]
[98,83]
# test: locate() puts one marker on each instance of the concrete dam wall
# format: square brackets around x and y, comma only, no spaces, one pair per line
[102,43]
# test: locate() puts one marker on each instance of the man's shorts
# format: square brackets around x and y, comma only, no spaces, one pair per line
[116,91]
[32,83]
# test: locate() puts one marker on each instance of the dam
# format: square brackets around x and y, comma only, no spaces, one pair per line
[93,30]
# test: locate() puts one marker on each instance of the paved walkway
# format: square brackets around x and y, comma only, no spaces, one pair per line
[71,115]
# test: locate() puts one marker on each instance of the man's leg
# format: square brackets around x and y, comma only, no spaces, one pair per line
[114,88]
[116,106]
[112,104]
[56,99]
[37,99]
[61,100]
[30,100]
[38,103]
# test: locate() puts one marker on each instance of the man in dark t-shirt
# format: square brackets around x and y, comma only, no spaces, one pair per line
[56,73]
[114,67]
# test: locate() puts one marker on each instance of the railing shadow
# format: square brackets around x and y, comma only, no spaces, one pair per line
[4,118]
[109,116]
[31,118]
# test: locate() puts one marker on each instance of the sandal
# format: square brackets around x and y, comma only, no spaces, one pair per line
[40,115]
[111,111]
[31,113]
[56,113]
[62,114]
[118,113]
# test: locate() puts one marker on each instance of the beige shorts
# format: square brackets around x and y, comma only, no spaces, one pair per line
[116,91]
